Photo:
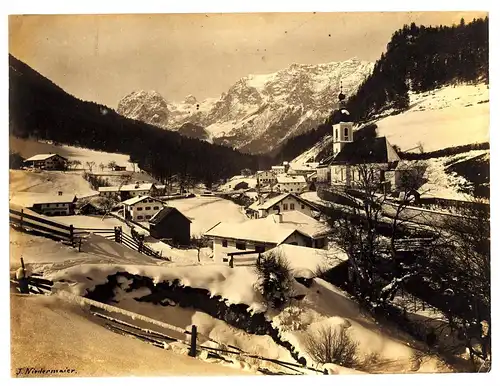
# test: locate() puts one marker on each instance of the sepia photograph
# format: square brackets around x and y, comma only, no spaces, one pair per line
[246,194]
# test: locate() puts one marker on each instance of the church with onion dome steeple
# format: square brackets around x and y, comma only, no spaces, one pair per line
[342,125]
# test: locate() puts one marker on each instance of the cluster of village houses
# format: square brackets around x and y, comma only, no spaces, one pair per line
[278,215]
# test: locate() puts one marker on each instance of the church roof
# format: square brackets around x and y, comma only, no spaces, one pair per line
[341,115]
[367,150]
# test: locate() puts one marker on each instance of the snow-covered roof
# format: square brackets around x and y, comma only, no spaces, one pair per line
[130,187]
[163,213]
[28,199]
[301,258]
[259,230]
[298,220]
[285,179]
[269,229]
[42,157]
[366,151]
[135,200]
[275,200]
[109,188]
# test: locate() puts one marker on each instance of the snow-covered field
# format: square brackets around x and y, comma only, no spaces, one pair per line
[72,339]
[29,147]
[323,304]
[49,182]
[446,185]
[449,116]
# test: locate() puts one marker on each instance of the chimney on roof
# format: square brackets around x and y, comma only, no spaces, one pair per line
[59,193]
[279,218]
[261,199]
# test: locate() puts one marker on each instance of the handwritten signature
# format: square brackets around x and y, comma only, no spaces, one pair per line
[22,371]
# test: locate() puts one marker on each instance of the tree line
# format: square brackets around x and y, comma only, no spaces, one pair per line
[41,110]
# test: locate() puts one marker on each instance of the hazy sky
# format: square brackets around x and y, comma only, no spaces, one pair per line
[103,58]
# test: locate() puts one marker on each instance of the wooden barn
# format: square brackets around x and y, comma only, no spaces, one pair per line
[171,224]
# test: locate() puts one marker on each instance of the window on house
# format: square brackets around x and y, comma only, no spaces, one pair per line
[139,208]
[292,206]
[260,248]
[346,133]
[139,217]
[148,208]
[241,246]
[156,207]
[224,243]
[285,206]
[336,134]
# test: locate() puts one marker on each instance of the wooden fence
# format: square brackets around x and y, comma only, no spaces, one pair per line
[30,221]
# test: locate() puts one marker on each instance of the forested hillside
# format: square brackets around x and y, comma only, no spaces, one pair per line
[42,110]
[418,59]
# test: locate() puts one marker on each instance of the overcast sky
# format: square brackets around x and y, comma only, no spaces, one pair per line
[103,58]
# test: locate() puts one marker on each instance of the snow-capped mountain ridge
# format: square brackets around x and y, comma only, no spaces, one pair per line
[259,111]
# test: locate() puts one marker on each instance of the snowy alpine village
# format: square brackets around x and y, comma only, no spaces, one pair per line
[308,215]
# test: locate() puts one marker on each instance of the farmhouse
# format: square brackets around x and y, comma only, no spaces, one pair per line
[266,177]
[280,169]
[141,208]
[47,162]
[279,204]
[303,169]
[263,234]
[125,192]
[292,184]
[46,203]
[91,208]
[171,224]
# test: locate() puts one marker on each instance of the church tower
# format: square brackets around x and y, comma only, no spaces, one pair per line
[342,125]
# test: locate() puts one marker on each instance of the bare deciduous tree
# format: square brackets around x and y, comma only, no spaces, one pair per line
[329,345]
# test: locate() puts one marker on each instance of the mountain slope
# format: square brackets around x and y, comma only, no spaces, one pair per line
[258,112]
[40,109]
[419,59]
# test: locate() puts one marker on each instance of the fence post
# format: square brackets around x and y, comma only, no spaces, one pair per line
[139,246]
[80,245]
[22,212]
[192,349]
[231,262]
[23,281]
[71,233]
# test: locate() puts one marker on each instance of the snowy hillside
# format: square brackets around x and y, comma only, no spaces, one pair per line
[259,111]
[28,147]
[449,116]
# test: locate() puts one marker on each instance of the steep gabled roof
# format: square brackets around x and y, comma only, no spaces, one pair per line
[136,199]
[164,213]
[367,151]
[42,157]
[277,199]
